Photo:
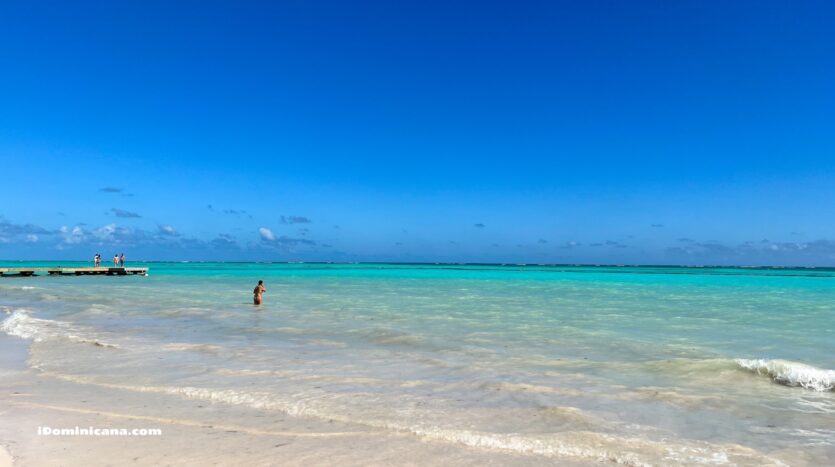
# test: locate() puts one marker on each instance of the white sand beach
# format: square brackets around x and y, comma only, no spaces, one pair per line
[193,432]
[5,458]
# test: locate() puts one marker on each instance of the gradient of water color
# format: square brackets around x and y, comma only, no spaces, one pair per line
[639,365]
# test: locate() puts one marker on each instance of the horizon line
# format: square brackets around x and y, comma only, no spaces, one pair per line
[455,263]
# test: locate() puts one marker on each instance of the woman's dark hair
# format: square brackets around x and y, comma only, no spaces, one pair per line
[260,282]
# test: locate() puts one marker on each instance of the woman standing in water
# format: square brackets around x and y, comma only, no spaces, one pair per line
[259,290]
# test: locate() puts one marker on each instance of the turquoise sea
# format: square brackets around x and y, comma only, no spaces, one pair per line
[638,365]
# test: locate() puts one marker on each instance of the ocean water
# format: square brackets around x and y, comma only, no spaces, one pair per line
[637,365]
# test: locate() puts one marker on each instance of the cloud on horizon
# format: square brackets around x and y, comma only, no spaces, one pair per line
[282,243]
[287,241]
[115,235]
[17,240]
[224,242]
[162,242]
[10,229]
[755,252]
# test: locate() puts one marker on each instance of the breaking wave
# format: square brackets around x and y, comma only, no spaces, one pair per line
[21,324]
[791,373]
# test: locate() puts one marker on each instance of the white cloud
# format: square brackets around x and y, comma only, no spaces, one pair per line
[266,234]
[167,230]
[105,232]
[31,238]
[72,236]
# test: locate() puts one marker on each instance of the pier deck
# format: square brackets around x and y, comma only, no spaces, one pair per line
[59,271]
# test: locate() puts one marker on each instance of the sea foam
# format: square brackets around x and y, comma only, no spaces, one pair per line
[791,373]
[584,445]
[21,324]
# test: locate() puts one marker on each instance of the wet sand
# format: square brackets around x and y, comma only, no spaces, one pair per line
[193,432]
[5,458]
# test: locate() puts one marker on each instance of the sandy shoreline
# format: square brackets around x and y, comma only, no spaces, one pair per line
[193,432]
[5,458]
[13,354]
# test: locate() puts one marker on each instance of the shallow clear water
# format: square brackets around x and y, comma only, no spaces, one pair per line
[639,365]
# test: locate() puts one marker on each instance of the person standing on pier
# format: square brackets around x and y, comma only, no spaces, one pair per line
[115,261]
[97,260]
[259,290]
[122,260]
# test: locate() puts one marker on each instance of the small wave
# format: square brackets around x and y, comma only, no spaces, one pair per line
[579,444]
[17,287]
[21,324]
[791,373]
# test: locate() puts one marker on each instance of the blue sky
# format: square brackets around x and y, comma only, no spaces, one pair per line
[594,132]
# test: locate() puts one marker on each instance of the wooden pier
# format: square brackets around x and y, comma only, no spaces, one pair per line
[59,271]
